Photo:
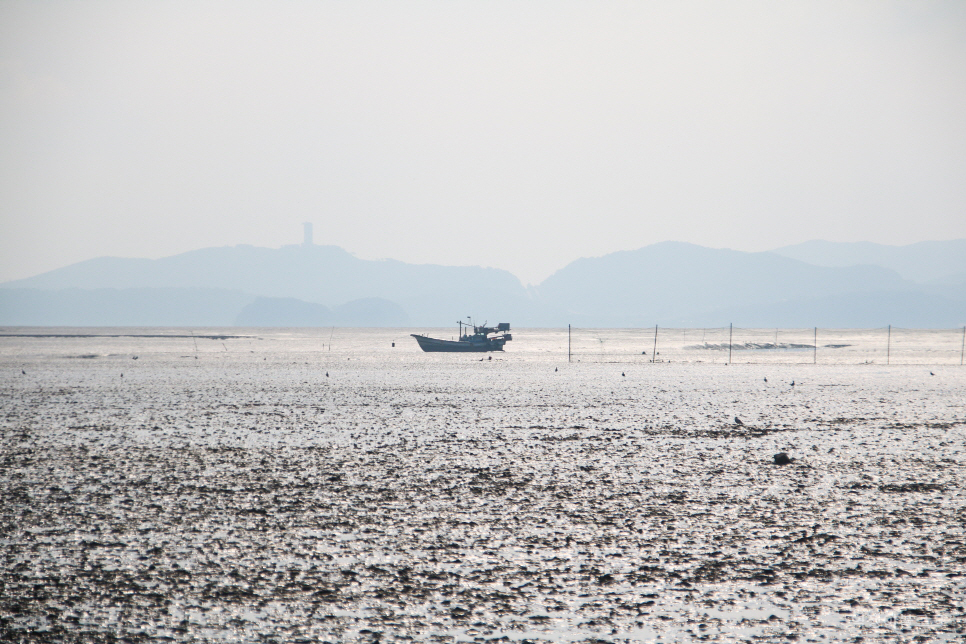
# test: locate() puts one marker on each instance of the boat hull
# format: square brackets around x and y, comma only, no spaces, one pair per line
[455,346]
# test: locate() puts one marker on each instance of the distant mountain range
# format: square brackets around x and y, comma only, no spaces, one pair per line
[928,261]
[671,283]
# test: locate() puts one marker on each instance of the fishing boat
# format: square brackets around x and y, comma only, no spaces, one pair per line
[483,338]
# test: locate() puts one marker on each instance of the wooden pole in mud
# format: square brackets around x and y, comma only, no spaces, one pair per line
[962,350]
[888,344]
[731,330]
[568,343]
[654,350]
[815,347]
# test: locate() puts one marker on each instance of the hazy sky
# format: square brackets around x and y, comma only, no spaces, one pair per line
[520,135]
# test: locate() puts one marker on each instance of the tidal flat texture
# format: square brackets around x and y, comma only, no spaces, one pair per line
[327,487]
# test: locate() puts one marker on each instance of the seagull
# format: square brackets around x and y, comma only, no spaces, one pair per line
[554,368]
[623,374]
[793,383]
[23,372]
[134,357]
[738,421]
[931,373]
[766,378]
[326,374]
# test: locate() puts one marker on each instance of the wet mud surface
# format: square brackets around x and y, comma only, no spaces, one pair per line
[248,496]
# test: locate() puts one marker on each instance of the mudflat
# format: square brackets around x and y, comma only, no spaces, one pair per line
[327,487]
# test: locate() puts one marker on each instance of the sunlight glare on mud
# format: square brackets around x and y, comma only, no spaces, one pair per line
[324,486]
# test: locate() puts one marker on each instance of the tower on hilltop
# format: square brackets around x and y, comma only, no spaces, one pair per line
[307,232]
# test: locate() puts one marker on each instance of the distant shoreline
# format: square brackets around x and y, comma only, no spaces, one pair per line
[121,335]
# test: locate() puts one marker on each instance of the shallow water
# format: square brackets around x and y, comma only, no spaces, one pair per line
[323,485]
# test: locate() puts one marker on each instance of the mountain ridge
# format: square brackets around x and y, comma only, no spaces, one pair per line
[668,283]
[679,283]
[923,261]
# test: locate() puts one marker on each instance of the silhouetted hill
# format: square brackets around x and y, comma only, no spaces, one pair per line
[911,309]
[671,284]
[120,307]
[428,295]
[921,262]
[185,307]
[370,311]
[288,311]
[678,284]
[283,311]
